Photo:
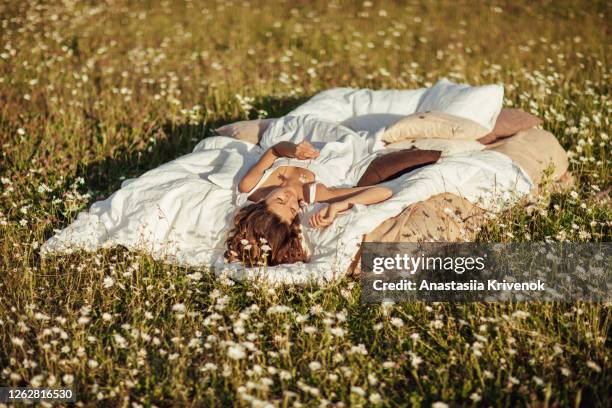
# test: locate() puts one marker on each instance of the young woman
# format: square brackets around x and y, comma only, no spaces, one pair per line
[284,180]
[309,160]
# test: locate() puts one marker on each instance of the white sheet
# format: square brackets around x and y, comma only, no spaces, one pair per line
[180,212]
[340,104]
[482,104]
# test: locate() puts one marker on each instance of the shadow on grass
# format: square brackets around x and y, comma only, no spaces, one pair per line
[167,142]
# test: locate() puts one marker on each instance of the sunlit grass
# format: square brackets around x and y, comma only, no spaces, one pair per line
[91,94]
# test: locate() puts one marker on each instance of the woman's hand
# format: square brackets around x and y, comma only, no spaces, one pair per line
[301,151]
[304,151]
[324,217]
[360,195]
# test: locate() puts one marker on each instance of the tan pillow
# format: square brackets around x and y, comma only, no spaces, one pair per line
[434,125]
[510,122]
[534,150]
[246,130]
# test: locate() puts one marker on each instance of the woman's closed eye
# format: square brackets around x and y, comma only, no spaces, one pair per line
[293,210]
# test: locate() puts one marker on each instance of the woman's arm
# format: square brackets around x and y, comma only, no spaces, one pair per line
[366,196]
[303,151]
[251,178]
[332,195]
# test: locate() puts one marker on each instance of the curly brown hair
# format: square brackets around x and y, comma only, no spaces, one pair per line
[256,221]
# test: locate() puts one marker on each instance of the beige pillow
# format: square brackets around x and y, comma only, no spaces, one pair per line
[448,147]
[246,130]
[434,125]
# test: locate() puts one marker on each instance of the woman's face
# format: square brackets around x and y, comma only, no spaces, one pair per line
[283,201]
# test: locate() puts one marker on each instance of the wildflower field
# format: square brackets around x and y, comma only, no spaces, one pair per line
[95,92]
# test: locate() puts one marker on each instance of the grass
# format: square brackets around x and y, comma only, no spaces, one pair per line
[91,93]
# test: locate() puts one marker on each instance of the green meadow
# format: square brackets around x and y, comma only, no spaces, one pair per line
[92,93]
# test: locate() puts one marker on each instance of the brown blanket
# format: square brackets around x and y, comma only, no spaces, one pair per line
[394,164]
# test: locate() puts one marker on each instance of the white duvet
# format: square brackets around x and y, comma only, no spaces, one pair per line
[181,211]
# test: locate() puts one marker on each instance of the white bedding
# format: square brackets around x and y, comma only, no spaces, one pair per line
[181,211]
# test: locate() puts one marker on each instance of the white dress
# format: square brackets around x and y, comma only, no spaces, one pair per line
[343,153]
[243,198]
